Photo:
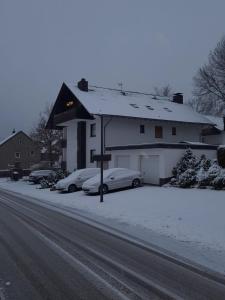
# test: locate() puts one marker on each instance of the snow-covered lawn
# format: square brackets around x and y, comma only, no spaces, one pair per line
[190,215]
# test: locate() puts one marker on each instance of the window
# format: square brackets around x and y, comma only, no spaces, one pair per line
[31,153]
[174,131]
[93,130]
[134,105]
[92,153]
[158,132]
[17,154]
[142,129]
[20,141]
[167,109]
[149,107]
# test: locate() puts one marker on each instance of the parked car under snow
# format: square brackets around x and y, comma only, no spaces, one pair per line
[113,179]
[74,181]
[37,176]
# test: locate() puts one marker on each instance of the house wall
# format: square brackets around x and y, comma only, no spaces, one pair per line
[22,144]
[125,131]
[168,158]
[217,139]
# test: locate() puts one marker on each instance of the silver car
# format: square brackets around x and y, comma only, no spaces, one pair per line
[115,178]
[74,181]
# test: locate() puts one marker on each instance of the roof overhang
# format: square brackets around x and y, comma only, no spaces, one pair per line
[163,146]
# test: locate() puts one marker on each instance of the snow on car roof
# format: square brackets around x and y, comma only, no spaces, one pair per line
[101,101]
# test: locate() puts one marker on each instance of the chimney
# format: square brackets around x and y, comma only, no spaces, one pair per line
[83,85]
[178,98]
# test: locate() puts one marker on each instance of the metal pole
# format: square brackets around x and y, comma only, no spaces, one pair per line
[101,184]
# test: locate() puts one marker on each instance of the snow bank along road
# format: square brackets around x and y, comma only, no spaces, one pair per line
[45,254]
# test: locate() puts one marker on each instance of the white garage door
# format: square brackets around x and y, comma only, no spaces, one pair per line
[123,161]
[149,167]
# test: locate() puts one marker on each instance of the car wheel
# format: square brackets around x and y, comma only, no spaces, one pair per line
[104,188]
[136,183]
[72,188]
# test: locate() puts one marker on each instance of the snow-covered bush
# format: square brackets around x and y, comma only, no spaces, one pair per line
[187,178]
[203,163]
[218,182]
[213,171]
[189,171]
[202,178]
[187,161]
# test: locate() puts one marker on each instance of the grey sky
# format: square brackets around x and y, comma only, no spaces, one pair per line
[143,43]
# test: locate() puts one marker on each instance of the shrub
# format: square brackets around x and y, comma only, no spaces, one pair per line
[187,178]
[202,178]
[218,182]
[213,171]
[187,161]
[203,163]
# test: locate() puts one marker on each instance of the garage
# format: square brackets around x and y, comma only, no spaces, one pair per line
[123,161]
[149,167]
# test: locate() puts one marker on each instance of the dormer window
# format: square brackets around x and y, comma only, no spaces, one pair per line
[149,107]
[167,109]
[134,105]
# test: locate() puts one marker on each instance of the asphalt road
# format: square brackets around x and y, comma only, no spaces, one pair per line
[45,254]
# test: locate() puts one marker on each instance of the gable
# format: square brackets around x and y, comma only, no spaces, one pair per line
[14,136]
[67,107]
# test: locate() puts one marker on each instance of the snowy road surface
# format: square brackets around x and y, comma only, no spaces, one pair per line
[187,222]
[47,255]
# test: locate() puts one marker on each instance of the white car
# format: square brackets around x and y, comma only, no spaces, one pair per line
[74,181]
[115,178]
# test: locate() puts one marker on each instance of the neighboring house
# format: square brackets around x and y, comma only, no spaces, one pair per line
[18,150]
[141,132]
[216,134]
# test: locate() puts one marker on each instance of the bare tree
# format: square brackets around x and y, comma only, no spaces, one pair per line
[165,91]
[209,82]
[47,139]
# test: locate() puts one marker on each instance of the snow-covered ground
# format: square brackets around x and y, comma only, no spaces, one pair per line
[186,218]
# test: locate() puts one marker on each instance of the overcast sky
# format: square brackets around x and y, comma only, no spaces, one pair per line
[143,43]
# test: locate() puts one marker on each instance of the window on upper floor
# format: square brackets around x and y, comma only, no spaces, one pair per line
[93,130]
[32,153]
[20,141]
[17,155]
[158,132]
[142,129]
[174,131]
[92,153]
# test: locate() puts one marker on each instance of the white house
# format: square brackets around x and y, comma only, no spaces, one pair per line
[141,131]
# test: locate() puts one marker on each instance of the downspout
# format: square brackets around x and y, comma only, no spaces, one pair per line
[107,123]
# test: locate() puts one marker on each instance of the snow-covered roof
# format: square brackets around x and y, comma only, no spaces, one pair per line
[218,121]
[8,138]
[99,101]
